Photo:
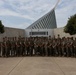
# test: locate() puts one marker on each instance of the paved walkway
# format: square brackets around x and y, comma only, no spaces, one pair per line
[37,66]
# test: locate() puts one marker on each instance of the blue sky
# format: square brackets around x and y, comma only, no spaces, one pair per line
[22,13]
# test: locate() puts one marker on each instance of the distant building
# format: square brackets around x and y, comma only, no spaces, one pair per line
[43,26]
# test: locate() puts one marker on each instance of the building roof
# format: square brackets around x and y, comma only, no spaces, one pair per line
[48,21]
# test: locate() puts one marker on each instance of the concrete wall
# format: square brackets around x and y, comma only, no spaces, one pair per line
[62,33]
[12,32]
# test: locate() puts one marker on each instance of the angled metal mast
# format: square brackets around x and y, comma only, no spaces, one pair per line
[56,4]
[48,21]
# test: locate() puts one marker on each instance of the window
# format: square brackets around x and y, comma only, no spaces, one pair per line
[38,33]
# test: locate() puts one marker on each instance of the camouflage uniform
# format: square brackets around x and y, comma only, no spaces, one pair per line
[4,47]
[38,47]
[17,47]
[13,47]
[35,46]
[23,48]
[48,48]
[59,47]
[75,47]
[72,47]
[67,47]
[31,46]
[64,53]
[55,49]
[27,47]
[0,48]
[8,47]
[45,46]
[43,49]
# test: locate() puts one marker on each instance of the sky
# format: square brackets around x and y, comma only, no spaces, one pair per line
[22,13]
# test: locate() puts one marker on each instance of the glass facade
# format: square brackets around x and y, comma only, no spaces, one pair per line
[38,33]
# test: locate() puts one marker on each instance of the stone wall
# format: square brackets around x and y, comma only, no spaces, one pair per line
[12,32]
[61,32]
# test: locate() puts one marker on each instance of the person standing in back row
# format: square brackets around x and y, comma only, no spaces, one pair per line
[0,48]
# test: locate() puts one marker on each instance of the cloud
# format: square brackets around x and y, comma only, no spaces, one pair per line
[6,12]
[21,26]
[1,3]
[65,9]
[34,9]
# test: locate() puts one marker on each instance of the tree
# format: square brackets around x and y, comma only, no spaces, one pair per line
[1,27]
[71,25]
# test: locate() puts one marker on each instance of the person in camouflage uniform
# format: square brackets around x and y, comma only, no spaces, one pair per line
[27,47]
[72,46]
[38,46]
[35,46]
[8,42]
[19,42]
[75,47]
[17,47]
[55,48]
[31,46]
[64,51]
[0,48]
[67,46]
[59,47]
[13,47]
[48,48]
[4,48]
[43,48]
[23,47]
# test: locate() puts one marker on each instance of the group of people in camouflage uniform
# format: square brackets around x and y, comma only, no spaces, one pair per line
[21,46]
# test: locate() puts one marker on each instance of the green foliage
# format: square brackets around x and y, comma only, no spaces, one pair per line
[71,25]
[1,27]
